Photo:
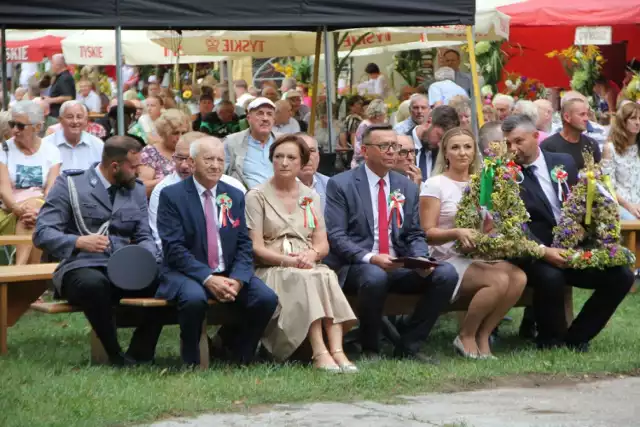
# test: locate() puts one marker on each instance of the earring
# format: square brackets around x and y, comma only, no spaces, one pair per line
[446,163]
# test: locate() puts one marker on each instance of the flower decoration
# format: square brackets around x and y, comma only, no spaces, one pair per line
[560,176]
[310,218]
[589,228]
[186,95]
[521,87]
[583,64]
[396,203]
[492,206]
[301,69]
[224,203]
[632,90]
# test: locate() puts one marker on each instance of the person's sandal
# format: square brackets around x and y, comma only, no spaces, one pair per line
[334,369]
[346,368]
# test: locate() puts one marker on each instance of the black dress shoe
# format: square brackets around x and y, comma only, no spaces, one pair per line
[527,329]
[122,360]
[414,356]
[582,347]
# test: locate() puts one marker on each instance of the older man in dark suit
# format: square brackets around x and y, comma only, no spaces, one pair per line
[208,254]
[549,276]
[372,216]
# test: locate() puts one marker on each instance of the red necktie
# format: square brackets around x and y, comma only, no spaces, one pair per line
[383,220]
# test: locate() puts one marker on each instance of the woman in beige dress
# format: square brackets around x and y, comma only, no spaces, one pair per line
[287,228]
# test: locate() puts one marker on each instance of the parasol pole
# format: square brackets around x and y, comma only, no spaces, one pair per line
[314,85]
[120,83]
[329,85]
[5,85]
[471,43]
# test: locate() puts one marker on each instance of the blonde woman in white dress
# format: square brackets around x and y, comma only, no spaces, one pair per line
[492,288]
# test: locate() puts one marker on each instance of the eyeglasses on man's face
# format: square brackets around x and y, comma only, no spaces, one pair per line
[20,126]
[403,152]
[386,146]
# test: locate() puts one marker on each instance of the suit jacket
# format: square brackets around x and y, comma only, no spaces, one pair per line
[182,229]
[56,230]
[349,220]
[537,204]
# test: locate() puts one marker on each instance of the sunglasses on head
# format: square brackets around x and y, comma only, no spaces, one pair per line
[20,126]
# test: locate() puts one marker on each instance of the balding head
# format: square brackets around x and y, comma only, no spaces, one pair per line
[545,114]
[184,168]
[284,112]
[207,158]
[58,63]
[308,171]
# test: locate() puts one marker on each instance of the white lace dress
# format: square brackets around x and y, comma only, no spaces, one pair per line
[624,170]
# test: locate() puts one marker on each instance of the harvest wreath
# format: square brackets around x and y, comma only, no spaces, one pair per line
[492,206]
[589,228]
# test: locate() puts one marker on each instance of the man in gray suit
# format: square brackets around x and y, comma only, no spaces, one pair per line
[110,200]
[367,229]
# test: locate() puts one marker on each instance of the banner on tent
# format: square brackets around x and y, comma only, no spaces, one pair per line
[593,35]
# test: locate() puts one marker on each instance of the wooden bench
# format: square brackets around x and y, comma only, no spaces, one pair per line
[132,312]
[630,231]
[20,285]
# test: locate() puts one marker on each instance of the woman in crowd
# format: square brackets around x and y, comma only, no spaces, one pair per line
[145,128]
[621,160]
[157,159]
[28,169]
[355,106]
[287,228]
[492,288]
[462,106]
[489,113]
[376,115]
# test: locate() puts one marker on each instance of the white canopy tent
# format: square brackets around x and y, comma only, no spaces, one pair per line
[98,47]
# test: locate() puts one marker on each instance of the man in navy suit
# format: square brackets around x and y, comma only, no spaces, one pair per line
[208,254]
[365,236]
[550,275]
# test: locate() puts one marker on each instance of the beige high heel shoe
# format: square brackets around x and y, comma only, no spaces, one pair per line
[334,369]
[346,368]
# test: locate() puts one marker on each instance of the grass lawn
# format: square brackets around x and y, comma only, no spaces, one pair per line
[47,380]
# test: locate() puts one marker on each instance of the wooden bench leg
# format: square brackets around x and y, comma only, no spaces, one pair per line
[204,347]
[568,305]
[98,353]
[4,324]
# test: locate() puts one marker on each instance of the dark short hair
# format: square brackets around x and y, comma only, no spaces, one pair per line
[354,100]
[116,148]
[366,135]
[305,153]
[516,121]
[445,117]
[206,97]
[452,51]
[372,68]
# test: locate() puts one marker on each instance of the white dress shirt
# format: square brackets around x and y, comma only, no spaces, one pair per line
[374,182]
[542,173]
[200,189]
[168,180]
[92,101]
[86,153]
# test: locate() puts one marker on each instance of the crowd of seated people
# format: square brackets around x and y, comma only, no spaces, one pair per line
[250,222]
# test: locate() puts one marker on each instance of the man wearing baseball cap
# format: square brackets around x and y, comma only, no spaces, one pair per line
[247,152]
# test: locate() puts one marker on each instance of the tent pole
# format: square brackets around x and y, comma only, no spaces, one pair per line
[471,43]
[329,85]
[314,85]
[119,81]
[5,83]
[232,91]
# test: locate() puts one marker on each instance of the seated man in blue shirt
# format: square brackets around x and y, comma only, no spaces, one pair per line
[247,152]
